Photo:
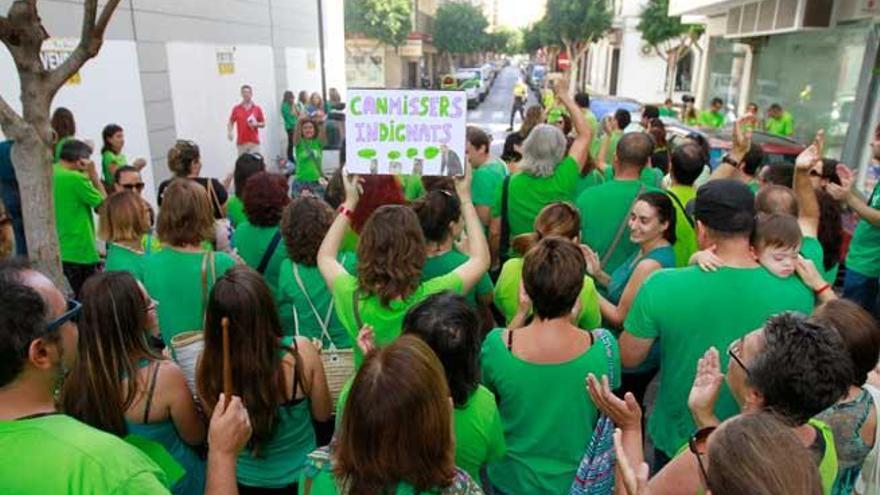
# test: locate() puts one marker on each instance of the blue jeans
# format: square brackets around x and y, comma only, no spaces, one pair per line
[863,290]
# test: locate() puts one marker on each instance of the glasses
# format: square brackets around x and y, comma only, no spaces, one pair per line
[697,445]
[139,186]
[71,314]
[735,347]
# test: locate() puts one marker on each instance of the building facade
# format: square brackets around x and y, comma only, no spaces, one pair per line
[173,70]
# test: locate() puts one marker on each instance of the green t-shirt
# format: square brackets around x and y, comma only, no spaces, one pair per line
[288,116]
[235,210]
[290,299]
[864,249]
[75,198]
[318,473]
[546,427]
[251,243]
[649,176]
[603,208]
[60,144]
[385,320]
[527,195]
[712,119]
[685,234]
[596,146]
[487,178]
[108,159]
[174,279]
[592,121]
[123,259]
[413,188]
[741,300]
[58,454]
[782,126]
[437,266]
[507,295]
[812,250]
[479,435]
[685,194]
[668,112]
[309,156]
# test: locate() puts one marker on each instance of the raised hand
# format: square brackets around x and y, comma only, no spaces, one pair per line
[463,182]
[592,258]
[812,153]
[634,481]
[230,427]
[625,413]
[742,141]
[353,186]
[366,339]
[707,384]
[807,271]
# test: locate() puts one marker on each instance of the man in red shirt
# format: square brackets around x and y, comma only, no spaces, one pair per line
[247,118]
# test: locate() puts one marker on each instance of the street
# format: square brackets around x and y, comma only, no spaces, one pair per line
[493,115]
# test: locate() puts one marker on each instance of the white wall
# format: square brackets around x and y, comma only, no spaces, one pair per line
[108,91]
[303,70]
[203,99]
[641,76]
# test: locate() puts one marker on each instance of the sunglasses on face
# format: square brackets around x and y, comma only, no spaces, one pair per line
[137,186]
[698,445]
[732,350]
[71,314]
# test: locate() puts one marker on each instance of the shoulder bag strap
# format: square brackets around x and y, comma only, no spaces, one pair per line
[323,323]
[270,250]
[150,391]
[205,280]
[504,244]
[614,243]
[604,336]
[215,200]
[674,197]
[356,310]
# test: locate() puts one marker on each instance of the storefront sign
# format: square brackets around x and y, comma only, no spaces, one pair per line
[54,52]
[226,61]
[406,132]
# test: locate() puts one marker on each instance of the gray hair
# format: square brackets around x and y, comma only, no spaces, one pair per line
[543,150]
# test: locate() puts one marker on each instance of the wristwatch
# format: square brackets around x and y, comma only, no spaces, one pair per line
[729,160]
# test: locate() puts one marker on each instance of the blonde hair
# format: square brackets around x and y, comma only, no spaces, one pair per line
[124,216]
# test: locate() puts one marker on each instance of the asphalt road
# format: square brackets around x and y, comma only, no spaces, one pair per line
[493,115]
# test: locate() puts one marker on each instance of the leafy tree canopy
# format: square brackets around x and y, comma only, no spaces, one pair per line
[385,20]
[460,28]
[574,21]
[657,27]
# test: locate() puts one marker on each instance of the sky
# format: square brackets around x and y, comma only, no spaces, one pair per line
[520,13]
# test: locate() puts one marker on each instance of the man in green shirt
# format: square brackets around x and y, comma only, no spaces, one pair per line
[489,172]
[779,122]
[717,309]
[668,109]
[583,102]
[714,117]
[78,191]
[862,282]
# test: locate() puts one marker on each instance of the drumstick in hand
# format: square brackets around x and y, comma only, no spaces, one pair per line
[227,366]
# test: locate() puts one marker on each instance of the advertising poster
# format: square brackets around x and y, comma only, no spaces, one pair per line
[405,132]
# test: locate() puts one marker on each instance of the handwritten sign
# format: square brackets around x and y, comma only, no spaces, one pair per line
[410,132]
[54,52]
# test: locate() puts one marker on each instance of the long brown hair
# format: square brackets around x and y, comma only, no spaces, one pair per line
[243,297]
[112,339]
[758,454]
[186,216]
[391,253]
[560,218]
[397,424]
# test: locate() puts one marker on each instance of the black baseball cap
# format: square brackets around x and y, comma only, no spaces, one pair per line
[726,205]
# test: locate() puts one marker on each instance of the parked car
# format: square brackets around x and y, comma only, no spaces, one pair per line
[602,105]
[469,82]
[481,75]
[535,76]
[776,148]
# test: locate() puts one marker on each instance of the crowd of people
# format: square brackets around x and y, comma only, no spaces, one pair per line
[495,332]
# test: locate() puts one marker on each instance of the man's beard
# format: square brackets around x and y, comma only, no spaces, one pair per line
[61,371]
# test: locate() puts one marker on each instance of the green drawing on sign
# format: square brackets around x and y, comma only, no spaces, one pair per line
[412,152]
[431,152]
[393,155]
[367,154]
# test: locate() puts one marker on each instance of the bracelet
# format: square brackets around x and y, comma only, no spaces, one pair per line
[822,289]
[342,210]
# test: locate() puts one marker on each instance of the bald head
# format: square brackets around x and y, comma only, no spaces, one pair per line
[776,199]
[634,150]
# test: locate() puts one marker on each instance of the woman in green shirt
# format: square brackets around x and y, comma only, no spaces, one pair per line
[123,387]
[124,220]
[439,214]
[309,138]
[396,433]
[181,275]
[556,219]
[448,324]
[246,166]
[290,114]
[280,378]
[64,127]
[112,158]
[537,374]
[391,255]
[258,240]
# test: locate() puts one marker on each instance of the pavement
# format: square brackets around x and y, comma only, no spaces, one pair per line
[493,115]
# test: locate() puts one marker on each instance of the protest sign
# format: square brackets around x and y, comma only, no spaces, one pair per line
[412,132]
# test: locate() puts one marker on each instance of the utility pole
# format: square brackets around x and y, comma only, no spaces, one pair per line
[321,49]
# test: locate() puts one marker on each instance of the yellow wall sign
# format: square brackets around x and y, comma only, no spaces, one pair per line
[54,52]
[226,61]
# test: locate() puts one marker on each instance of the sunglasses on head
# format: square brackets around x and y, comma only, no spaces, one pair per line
[71,314]
[698,446]
[139,186]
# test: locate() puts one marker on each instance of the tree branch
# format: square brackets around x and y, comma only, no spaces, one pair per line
[8,33]
[660,53]
[10,121]
[90,42]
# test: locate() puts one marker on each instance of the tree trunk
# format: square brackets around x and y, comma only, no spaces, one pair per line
[450,63]
[671,67]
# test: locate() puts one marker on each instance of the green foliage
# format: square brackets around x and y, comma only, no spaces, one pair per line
[573,21]
[503,40]
[460,28]
[657,27]
[385,20]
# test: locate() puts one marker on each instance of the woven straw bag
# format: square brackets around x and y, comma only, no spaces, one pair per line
[187,347]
